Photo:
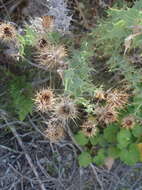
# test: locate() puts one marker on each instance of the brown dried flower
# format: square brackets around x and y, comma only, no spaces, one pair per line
[7,32]
[55,131]
[128,122]
[107,114]
[51,56]
[117,99]
[44,100]
[66,109]
[89,128]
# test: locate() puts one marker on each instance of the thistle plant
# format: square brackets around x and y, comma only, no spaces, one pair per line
[112,125]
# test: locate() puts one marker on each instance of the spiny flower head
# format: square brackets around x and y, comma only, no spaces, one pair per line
[7,32]
[128,122]
[117,99]
[55,130]
[89,128]
[66,109]
[44,100]
[51,56]
[107,114]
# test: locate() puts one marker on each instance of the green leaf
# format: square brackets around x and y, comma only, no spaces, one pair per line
[113,152]
[131,155]
[124,138]
[110,133]
[81,139]
[100,158]
[84,159]
[94,140]
[137,131]
[101,140]
[21,93]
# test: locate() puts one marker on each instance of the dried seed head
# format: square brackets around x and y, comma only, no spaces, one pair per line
[51,57]
[66,110]
[44,100]
[89,128]
[117,99]
[7,32]
[55,131]
[107,114]
[100,94]
[128,122]
[41,43]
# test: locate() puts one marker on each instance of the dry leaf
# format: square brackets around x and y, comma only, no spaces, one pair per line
[109,161]
[128,41]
